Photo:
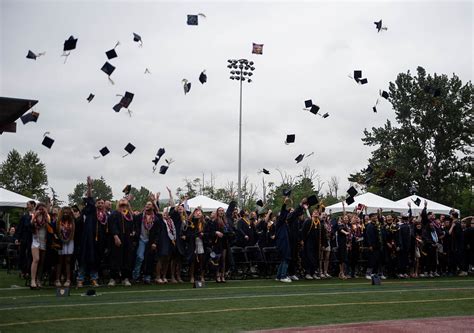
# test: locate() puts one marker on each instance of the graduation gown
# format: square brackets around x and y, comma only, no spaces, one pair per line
[123,256]
[282,238]
[178,226]
[87,231]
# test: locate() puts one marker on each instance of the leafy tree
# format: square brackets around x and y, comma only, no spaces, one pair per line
[431,144]
[25,175]
[100,190]
[140,197]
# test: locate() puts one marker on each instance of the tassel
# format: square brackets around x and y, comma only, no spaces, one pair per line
[65,55]
[111,81]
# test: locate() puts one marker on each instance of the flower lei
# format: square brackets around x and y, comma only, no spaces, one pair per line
[148,220]
[66,230]
[101,217]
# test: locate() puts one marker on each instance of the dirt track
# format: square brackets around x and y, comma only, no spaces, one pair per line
[443,324]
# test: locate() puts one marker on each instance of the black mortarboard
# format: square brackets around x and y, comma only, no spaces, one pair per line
[363,81]
[374,109]
[160,152]
[192,20]
[108,68]
[299,158]
[32,116]
[287,192]
[104,151]
[384,94]
[163,169]
[290,138]
[31,55]
[308,103]
[259,203]
[357,75]
[265,171]
[127,99]
[186,86]
[203,77]
[378,25]
[47,142]
[90,98]
[352,191]
[325,115]
[155,161]
[117,107]
[137,38]
[111,54]
[314,109]
[127,189]
[129,148]
[417,201]
[350,200]
[70,44]
[312,200]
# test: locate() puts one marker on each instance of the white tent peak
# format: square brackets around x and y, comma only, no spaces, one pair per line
[433,206]
[12,199]
[372,201]
[207,204]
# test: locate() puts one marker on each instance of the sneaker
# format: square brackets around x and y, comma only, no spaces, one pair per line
[286,280]
[126,283]
[308,277]
[57,283]
[328,276]
[80,284]
[67,284]
[111,283]
[316,277]
[462,273]
[160,281]
[422,275]
[431,275]
[294,278]
[436,274]
[368,277]
[94,283]
[383,277]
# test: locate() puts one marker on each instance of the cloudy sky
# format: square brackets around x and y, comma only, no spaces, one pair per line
[309,49]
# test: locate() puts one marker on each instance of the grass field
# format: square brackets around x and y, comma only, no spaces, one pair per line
[231,307]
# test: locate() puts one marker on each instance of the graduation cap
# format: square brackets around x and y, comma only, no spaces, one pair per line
[203,77]
[90,98]
[290,138]
[257,48]
[124,102]
[363,81]
[312,200]
[350,200]
[129,148]
[374,109]
[112,53]
[265,171]
[384,94]
[378,26]
[299,158]
[69,45]
[287,192]
[352,191]
[157,158]
[127,189]
[47,141]
[163,169]
[193,19]
[325,115]
[108,69]
[31,116]
[259,203]
[33,56]
[358,77]
[104,151]
[308,103]
[147,71]
[137,38]
[314,109]
[186,86]
[417,202]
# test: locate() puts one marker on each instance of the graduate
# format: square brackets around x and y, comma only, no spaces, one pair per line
[179,216]
[374,244]
[39,223]
[103,237]
[146,224]
[24,236]
[65,231]
[245,232]
[295,220]
[122,252]
[165,241]
[195,238]
[312,236]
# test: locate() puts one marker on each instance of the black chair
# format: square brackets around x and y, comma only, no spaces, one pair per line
[272,259]
[13,256]
[255,259]
[241,264]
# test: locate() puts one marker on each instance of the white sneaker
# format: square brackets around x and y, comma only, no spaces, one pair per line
[368,277]
[294,278]
[383,277]
[316,277]
[462,273]
[308,277]
[286,280]
[436,274]
[111,283]
[328,276]
[126,283]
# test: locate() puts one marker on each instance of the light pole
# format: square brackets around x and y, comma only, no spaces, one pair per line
[240,70]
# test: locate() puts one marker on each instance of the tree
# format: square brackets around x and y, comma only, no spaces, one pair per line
[100,190]
[430,145]
[24,175]
[333,186]
[140,197]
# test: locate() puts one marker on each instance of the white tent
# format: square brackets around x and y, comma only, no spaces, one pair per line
[432,206]
[207,204]
[12,199]
[372,201]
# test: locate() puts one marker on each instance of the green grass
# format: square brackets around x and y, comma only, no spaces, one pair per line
[235,306]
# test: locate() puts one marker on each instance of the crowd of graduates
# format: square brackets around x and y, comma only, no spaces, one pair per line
[96,244]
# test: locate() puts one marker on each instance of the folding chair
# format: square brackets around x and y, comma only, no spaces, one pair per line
[272,259]
[241,263]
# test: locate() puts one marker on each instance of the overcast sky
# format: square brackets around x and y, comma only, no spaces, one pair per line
[309,49]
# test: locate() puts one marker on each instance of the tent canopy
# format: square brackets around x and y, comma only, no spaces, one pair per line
[372,201]
[207,204]
[12,199]
[432,206]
